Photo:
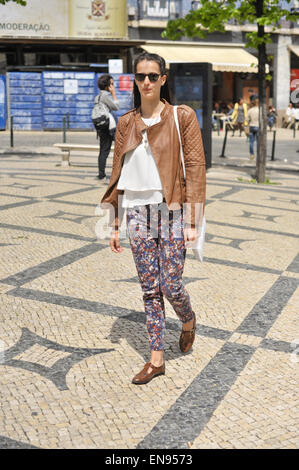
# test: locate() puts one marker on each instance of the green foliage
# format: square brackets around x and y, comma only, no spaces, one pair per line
[19,2]
[254,40]
[254,181]
[214,15]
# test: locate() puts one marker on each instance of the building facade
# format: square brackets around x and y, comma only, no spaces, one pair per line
[148,18]
[71,38]
[51,55]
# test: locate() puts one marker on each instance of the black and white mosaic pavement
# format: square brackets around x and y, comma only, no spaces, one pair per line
[58,371]
[244,220]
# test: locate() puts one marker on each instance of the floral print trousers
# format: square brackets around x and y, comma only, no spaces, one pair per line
[157,243]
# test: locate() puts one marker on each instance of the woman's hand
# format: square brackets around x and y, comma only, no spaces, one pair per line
[114,242]
[190,235]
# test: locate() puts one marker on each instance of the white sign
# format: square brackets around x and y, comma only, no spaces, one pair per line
[65,18]
[115,65]
[97,18]
[38,18]
[70,87]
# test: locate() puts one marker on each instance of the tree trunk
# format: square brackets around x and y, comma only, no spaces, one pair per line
[262,139]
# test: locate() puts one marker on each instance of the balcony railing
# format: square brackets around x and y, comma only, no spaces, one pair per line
[159,9]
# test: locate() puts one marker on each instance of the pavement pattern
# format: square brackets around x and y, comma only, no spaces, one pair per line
[236,150]
[72,323]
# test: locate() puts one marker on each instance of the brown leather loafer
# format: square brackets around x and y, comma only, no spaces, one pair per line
[144,376]
[187,338]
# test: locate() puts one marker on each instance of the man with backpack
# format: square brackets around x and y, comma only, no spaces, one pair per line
[103,120]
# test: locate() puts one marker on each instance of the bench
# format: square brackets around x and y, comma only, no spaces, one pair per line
[67,148]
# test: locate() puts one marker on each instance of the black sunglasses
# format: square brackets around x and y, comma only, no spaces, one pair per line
[153,77]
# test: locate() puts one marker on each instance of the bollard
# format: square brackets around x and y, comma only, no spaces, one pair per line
[11,131]
[63,130]
[273,145]
[224,142]
[68,120]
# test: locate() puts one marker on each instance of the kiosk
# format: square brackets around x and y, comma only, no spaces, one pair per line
[191,84]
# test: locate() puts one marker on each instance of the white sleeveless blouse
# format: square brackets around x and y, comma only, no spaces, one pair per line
[139,176]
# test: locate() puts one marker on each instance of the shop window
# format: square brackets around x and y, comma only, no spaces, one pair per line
[11,58]
[29,58]
[160,9]
[47,58]
[157,8]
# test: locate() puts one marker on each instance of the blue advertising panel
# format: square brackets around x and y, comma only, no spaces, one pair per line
[69,95]
[3,115]
[41,100]
[25,100]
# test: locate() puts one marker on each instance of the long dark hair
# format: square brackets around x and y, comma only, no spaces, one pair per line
[164,92]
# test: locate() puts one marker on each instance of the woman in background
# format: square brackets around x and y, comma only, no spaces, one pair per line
[239,116]
[253,121]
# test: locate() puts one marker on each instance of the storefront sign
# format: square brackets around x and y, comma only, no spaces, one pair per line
[294,79]
[65,18]
[98,18]
[294,86]
[37,19]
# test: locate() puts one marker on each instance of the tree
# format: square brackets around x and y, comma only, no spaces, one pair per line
[212,16]
[20,2]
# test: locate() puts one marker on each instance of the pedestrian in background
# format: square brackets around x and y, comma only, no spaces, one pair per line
[239,116]
[107,98]
[272,115]
[289,117]
[296,117]
[148,173]
[216,110]
[253,121]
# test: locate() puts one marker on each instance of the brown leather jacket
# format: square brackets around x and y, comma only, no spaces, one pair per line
[164,143]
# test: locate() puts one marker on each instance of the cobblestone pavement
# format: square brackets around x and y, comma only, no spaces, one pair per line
[236,150]
[72,326]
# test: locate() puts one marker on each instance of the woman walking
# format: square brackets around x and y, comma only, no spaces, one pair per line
[253,120]
[147,174]
[239,116]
